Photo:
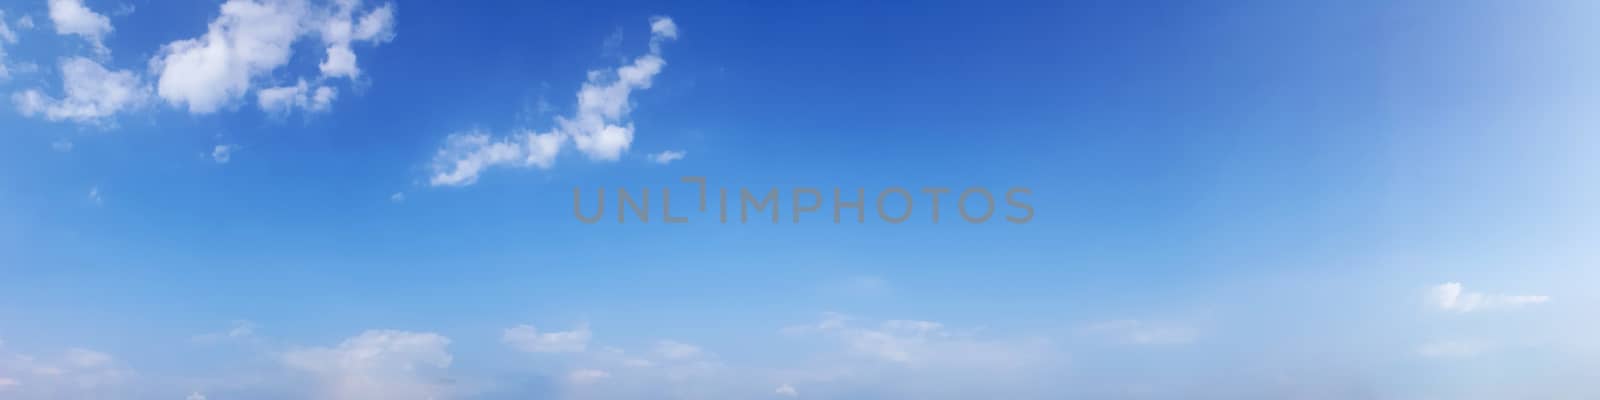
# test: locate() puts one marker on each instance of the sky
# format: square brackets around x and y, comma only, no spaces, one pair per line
[354,200]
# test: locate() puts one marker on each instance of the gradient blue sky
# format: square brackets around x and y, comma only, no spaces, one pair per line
[1234,200]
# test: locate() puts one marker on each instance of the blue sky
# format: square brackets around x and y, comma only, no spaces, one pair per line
[266,199]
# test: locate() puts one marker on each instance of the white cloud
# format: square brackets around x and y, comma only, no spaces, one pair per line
[672,350]
[222,153]
[1144,333]
[94,195]
[7,36]
[1450,296]
[251,39]
[599,128]
[61,145]
[341,29]
[71,17]
[398,197]
[667,156]
[787,390]
[529,339]
[26,22]
[93,94]
[76,373]
[195,396]
[914,343]
[586,376]
[465,155]
[378,365]
[85,358]
[1452,348]
[663,28]
[239,330]
[285,99]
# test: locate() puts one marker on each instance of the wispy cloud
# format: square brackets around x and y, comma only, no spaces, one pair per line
[667,157]
[378,364]
[1457,348]
[1451,296]
[222,153]
[600,127]
[530,339]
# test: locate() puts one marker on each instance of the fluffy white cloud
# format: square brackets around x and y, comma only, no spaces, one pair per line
[252,38]
[1451,297]
[93,93]
[667,156]
[378,365]
[285,99]
[342,28]
[529,339]
[1141,332]
[71,17]
[599,128]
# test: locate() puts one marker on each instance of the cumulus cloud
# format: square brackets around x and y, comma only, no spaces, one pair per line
[285,99]
[530,339]
[93,94]
[1451,296]
[667,156]
[71,17]
[342,28]
[600,126]
[253,38]
[378,365]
